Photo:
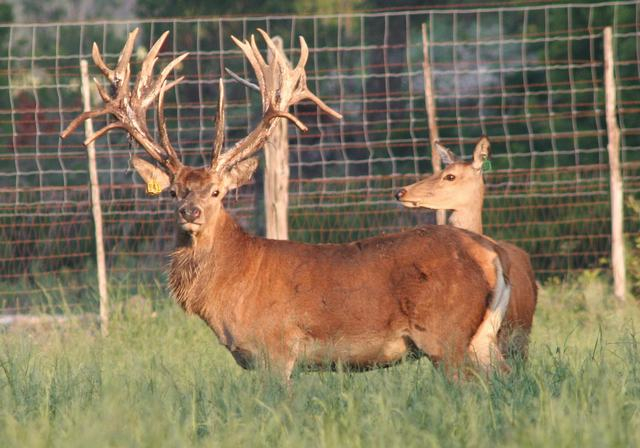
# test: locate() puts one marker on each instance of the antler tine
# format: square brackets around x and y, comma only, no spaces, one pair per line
[123,69]
[279,73]
[130,108]
[80,118]
[123,60]
[305,93]
[146,71]
[321,104]
[97,59]
[102,131]
[148,97]
[172,84]
[300,74]
[103,93]
[281,87]
[162,126]
[248,51]
[304,54]
[220,119]
[256,52]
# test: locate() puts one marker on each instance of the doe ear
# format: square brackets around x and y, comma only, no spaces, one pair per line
[481,152]
[155,178]
[241,173]
[446,155]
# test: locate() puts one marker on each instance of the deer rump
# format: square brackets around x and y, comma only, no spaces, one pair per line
[362,304]
[514,334]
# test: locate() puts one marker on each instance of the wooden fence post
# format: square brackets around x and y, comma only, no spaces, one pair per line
[430,104]
[96,209]
[276,175]
[615,178]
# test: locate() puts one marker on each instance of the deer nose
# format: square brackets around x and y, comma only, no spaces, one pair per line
[189,213]
[400,194]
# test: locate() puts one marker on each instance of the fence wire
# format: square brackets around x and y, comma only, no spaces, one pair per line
[530,78]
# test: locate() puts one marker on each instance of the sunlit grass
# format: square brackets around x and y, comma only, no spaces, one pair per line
[164,381]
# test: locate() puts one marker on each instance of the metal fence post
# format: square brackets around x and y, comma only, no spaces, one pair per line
[615,178]
[96,209]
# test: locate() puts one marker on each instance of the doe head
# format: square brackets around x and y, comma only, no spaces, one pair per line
[456,186]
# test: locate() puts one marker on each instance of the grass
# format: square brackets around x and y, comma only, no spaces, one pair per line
[164,381]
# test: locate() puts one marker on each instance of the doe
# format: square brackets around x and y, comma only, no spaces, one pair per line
[460,188]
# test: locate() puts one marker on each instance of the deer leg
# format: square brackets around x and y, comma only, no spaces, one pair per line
[281,360]
[514,342]
[448,354]
[282,367]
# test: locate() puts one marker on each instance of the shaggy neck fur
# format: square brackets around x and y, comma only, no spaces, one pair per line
[197,258]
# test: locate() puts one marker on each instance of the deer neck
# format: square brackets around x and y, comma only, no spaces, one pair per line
[197,259]
[469,216]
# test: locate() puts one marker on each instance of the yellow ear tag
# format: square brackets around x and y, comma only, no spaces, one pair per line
[153,187]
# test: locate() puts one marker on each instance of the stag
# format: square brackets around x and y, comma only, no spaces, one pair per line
[279,303]
[460,187]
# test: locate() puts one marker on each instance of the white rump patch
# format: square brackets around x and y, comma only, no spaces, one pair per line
[484,344]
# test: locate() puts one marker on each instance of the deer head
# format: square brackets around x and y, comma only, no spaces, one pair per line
[197,191]
[458,185]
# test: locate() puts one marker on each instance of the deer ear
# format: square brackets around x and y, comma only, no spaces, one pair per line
[481,153]
[155,178]
[446,155]
[241,173]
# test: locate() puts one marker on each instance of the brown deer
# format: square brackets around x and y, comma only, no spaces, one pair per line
[460,188]
[363,304]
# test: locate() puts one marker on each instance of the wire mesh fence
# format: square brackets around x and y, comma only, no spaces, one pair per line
[530,78]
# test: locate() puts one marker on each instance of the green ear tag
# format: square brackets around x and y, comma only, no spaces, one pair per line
[486,166]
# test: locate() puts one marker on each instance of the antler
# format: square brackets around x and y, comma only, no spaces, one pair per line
[130,107]
[281,87]
[219,141]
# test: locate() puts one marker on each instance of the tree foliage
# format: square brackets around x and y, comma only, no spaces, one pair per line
[192,8]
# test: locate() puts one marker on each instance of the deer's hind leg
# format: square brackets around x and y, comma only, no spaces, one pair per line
[448,352]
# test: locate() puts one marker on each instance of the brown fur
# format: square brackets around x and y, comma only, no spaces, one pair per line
[465,196]
[363,304]
[524,298]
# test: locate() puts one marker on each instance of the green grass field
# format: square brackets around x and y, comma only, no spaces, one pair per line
[165,381]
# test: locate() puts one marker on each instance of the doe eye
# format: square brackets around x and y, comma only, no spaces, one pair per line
[173,193]
[450,177]
[215,193]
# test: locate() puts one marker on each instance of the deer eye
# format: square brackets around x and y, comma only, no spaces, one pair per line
[215,193]
[173,193]
[450,177]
